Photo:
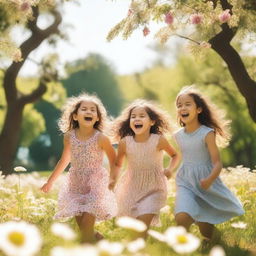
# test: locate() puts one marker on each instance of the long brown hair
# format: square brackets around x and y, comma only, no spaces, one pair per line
[210,115]
[121,126]
[67,122]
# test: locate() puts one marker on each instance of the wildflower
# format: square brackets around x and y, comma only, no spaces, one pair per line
[136,245]
[63,231]
[158,236]
[166,209]
[239,224]
[169,18]
[131,223]
[110,248]
[146,31]
[225,16]
[19,239]
[196,18]
[180,240]
[76,251]
[205,45]
[20,169]
[217,251]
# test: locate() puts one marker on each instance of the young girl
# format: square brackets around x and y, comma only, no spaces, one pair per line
[142,190]
[85,193]
[201,196]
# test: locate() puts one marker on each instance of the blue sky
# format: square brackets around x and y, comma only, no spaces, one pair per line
[87,26]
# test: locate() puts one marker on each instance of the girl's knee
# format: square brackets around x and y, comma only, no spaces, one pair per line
[183,219]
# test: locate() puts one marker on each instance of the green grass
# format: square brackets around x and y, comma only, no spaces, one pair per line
[38,208]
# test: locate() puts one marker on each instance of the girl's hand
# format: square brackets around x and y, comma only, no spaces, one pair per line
[168,173]
[111,184]
[205,183]
[46,187]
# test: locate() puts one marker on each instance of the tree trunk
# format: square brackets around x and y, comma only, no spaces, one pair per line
[15,100]
[221,44]
[9,137]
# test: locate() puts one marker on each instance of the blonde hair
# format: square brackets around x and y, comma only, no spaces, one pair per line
[210,116]
[121,126]
[66,121]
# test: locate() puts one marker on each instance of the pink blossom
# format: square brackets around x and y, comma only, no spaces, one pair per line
[196,19]
[225,16]
[169,18]
[129,12]
[24,6]
[146,31]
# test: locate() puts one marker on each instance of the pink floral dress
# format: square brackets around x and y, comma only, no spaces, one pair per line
[142,189]
[86,185]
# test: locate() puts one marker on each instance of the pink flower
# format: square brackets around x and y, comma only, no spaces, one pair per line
[225,16]
[129,12]
[25,6]
[196,19]
[169,18]
[146,31]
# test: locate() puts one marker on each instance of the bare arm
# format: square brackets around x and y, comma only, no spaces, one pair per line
[215,159]
[165,145]
[106,146]
[60,166]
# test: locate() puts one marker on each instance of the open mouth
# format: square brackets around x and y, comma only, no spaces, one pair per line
[184,115]
[138,126]
[88,118]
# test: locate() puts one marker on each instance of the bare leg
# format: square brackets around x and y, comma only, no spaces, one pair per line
[184,219]
[86,226]
[146,218]
[206,229]
[78,221]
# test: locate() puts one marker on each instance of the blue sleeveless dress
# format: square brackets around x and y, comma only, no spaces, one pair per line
[214,205]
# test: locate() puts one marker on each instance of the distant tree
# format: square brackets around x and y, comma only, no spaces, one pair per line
[206,24]
[94,75]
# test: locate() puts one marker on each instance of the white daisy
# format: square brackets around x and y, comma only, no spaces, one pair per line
[131,223]
[239,224]
[63,230]
[136,245]
[20,169]
[110,248]
[217,251]
[180,240]
[158,236]
[19,239]
[76,251]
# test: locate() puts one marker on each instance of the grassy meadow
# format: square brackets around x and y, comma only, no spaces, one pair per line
[23,202]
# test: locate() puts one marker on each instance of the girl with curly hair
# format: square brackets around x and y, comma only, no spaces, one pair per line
[85,194]
[142,190]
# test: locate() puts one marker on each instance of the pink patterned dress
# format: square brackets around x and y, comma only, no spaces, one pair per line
[86,185]
[142,189]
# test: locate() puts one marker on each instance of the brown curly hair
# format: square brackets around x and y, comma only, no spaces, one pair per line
[121,125]
[66,121]
[210,116]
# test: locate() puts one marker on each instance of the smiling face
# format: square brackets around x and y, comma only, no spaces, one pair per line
[87,114]
[140,121]
[187,109]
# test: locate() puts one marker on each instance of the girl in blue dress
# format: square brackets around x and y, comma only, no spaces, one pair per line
[201,196]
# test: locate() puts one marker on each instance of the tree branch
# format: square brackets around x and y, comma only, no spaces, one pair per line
[36,38]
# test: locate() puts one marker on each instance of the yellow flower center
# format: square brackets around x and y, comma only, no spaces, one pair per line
[182,239]
[17,238]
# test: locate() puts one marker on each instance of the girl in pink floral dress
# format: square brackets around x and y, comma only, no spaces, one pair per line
[142,190]
[86,193]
